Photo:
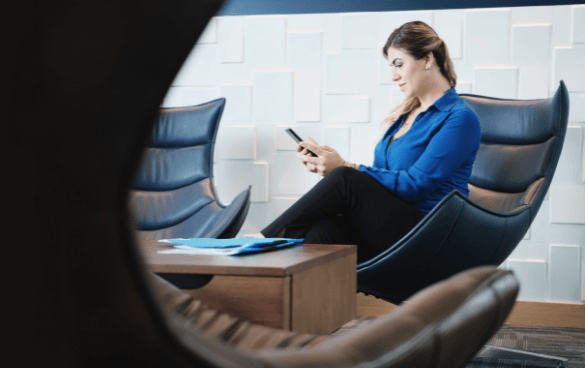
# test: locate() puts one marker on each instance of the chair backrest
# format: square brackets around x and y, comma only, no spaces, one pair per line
[521,143]
[173,194]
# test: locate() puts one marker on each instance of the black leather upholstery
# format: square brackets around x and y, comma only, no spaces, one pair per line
[511,168]
[521,143]
[174,195]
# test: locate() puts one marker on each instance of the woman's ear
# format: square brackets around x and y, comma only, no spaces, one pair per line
[429,60]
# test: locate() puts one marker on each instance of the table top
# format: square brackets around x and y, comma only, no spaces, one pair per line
[281,262]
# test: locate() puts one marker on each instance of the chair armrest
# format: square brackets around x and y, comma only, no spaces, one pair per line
[231,217]
[456,235]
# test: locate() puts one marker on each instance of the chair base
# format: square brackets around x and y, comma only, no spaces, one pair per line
[496,352]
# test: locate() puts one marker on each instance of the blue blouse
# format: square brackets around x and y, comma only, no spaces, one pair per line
[433,157]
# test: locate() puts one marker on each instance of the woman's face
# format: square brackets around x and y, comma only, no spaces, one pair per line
[410,74]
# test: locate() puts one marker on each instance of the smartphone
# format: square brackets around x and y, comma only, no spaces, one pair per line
[297,139]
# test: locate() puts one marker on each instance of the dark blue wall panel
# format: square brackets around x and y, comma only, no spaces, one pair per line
[257,7]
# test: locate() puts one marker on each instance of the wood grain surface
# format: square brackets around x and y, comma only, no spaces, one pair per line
[309,288]
[280,262]
[524,313]
[263,300]
[547,314]
[323,298]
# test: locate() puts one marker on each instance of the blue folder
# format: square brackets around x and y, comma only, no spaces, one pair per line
[231,246]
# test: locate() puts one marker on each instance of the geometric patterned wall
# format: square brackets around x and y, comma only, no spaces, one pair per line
[324,75]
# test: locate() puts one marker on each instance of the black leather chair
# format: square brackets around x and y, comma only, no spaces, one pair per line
[174,195]
[521,143]
[82,107]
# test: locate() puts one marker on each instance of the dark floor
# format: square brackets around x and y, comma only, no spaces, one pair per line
[562,342]
[558,341]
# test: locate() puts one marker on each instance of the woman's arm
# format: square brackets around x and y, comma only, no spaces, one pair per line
[446,151]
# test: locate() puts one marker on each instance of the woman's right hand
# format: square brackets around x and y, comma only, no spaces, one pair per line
[327,158]
[303,151]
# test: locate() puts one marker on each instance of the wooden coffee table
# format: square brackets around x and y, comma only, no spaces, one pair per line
[309,288]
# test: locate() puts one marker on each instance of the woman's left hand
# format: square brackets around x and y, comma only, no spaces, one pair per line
[327,158]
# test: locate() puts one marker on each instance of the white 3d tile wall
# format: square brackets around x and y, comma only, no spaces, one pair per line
[324,75]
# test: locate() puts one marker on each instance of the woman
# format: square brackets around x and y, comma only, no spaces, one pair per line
[427,151]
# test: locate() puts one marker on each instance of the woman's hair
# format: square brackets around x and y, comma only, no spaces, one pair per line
[418,39]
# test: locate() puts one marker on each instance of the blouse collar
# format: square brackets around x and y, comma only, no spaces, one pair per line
[447,101]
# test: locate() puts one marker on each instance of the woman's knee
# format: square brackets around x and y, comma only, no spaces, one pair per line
[329,231]
[342,171]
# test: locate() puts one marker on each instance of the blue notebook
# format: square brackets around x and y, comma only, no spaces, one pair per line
[207,246]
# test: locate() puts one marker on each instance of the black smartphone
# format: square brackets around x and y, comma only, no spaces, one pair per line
[297,139]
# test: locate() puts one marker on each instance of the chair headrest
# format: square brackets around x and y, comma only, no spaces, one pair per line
[519,122]
[178,127]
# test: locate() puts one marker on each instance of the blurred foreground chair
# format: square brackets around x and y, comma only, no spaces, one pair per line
[174,195]
[83,296]
[521,142]
[444,325]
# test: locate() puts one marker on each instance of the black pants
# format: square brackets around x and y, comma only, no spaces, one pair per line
[348,207]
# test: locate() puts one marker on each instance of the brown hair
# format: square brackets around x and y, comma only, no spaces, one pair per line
[418,39]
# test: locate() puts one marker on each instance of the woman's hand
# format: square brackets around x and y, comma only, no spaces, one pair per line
[304,151]
[327,158]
